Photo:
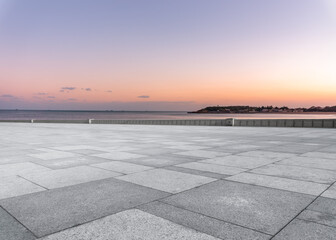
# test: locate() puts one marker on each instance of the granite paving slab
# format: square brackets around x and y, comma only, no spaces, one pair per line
[21,168]
[280,183]
[131,224]
[50,211]
[331,192]
[305,230]
[215,168]
[325,155]
[263,209]
[53,155]
[122,167]
[119,155]
[202,223]
[298,173]
[13,186]
[321,163]
[202,153]
[69,176]
[166,180]
[241,161]
[323,218]
[70,162]
[10,229]
[197,172]
[162,161]
[87,151]
[268,154]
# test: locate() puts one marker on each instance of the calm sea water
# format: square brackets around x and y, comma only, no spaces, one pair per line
[32,114]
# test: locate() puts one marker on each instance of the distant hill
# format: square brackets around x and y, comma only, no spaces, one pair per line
[263,109]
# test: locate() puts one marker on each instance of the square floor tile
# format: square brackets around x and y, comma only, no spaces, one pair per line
[321,163]
[212,168]
[304,230]
[298,173]
[202,153]
[211,226]
[122,167]
[13,186]
[10,229]
[119,155]
[280,183]
[241,161]
[20,168]
[331,192]
[263,209]
[53,155]
[131,224]
[50,211]
[69,176]
[268,154]
[166,180]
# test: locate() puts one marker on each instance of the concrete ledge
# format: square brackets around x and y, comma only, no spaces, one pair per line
[306,123]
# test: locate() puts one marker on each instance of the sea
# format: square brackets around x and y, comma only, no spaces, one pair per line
[166,115]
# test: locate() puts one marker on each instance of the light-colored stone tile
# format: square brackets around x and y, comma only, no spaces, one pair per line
[212,168]
[331,192]
[321,163]
[69,176]
[20,168]
[241,161]
[130,224]
[298,173]
[119,155]
[320,155]
[166,180]
[13,186]
[122,167]
[280,183]
[268,154]
[203,153]
[53,155]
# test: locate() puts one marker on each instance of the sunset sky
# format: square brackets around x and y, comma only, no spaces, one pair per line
[166,54]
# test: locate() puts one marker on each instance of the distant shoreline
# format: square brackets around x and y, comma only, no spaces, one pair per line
[321,113]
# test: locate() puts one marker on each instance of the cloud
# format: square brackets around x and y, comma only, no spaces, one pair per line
[88,89]
[143,96]
[42,93]
[72,99]
[109,91]
[67,89]
[51,97]
[7,96]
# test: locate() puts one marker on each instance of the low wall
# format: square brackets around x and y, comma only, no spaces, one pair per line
[303,123]
[306,123]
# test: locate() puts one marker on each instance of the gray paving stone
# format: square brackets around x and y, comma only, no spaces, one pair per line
[13,186]
[298,173]
[166,180]
[21,168]
[321,163]
[119,155]
[16,159]
[268,154]
[215,168]
[328,219]
[280,183]
[197,172]
[87,151]
[53,155]
[69,176]
[152,151]
[325,155]
[54,210]
[122,167]
[304,230]
[161,161]
[295,148]
[202,153]
[324,205]
[208,225]
[331,192]
[263,209]
[70,162]
[10,229]
[130,224]
[188,147]
[241,161]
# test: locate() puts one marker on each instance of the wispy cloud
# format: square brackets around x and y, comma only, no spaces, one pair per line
[143,96]
[42,93]
[7,96]
[67,89]
[72,99]
[109,91]
[51,97]
[88,89]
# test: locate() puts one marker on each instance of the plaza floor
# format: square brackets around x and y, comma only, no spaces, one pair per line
[125,182]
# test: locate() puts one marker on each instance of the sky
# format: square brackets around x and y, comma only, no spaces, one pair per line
[166,55]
